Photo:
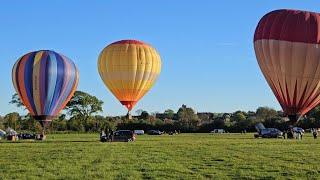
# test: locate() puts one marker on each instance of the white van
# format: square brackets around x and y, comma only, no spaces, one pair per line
[139,132]
[218,131]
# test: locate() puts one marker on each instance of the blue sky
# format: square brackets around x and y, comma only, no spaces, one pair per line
[206,47]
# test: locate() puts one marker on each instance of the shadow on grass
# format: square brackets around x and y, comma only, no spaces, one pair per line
[49,141]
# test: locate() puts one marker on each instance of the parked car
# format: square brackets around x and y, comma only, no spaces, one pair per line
[123,136]
[267,132]
[139,132]
[155,132]
[26,136]
[218,131]
[298,130]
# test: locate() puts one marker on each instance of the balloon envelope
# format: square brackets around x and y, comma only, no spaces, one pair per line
[129,69]
[287,48]
[45,81]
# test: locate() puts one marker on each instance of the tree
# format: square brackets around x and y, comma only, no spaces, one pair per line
[1,123]
[187,118]
[264,113]
[28,123]
[82,106]
[15,99]
[59,123]
[240,121]
[218,123]
[144,115]
[169,113]
[238,116]
[11,119]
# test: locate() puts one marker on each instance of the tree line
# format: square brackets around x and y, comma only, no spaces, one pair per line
[81,114]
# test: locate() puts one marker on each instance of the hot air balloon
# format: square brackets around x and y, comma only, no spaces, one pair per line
[129,68]
[45,81]
[286,44]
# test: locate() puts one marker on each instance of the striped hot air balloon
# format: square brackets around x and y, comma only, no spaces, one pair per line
[45,81]
[129,69]
[287,48]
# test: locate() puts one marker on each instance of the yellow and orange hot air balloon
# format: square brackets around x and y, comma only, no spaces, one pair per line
[287,47]
[129,68]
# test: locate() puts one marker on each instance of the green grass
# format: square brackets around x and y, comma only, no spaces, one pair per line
[185,156]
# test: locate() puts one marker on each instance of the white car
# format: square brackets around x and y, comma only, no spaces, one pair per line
[218,131]
[298,130]
[139,132]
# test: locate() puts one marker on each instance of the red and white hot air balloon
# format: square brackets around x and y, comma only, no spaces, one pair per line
[286,44]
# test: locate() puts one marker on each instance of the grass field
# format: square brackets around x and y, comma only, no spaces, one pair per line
[185,156]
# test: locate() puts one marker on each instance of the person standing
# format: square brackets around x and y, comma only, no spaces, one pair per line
[315,133]
[284,134]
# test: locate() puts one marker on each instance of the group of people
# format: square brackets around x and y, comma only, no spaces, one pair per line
[292,134]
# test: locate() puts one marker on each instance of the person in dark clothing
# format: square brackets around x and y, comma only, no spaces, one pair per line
[111,135]
[284,134]
[290,133]
[315,133]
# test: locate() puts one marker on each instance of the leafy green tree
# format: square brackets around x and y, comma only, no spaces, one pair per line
[15,100]
[83,106]
[1,123]
[240,121]
[264,113]
[74,124]
[204,117]
[109,123]
[218,123]
[144,115]
[238,116]
[27,123]
[59,123]
[158,122]
[11,120]
[188,118]
[169,113]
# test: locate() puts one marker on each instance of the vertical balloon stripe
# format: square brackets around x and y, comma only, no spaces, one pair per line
[28,74]
[51,81]
[59,82]
[21,82]
[66,81]
[16,80]
[14,76]
[42,81]
[71,88]
[36,81]
[74,87]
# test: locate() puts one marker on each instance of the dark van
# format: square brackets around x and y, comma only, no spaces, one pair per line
[123,136]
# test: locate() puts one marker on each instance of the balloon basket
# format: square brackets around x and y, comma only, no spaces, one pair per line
[129,116]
